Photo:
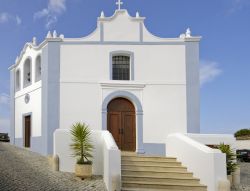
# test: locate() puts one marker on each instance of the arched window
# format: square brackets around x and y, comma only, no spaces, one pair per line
[38,68]
[18,84]
[27,73]
[120,67]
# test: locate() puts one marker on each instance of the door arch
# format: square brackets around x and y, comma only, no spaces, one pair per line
[121,123]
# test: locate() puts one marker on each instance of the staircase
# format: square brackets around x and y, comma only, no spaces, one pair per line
[152,173]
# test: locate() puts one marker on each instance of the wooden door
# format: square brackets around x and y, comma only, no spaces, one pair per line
[121,123]
[27,130]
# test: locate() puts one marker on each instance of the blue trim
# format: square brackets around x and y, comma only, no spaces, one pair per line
[125,94]
[124,43]
[12,106]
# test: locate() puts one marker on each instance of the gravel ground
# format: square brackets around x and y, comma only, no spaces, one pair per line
[245,177]
[23,170]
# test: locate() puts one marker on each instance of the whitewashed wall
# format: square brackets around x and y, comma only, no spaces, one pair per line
[242,144]
[34,105]
[209,165]
[161,68]
[33,108]
[106,156]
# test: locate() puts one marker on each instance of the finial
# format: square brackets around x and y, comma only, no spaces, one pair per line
[119,3]
[54,34]
[34,41]
[16,59]
[61,36]
[49,35]
[188,32]
[137,14]
[102,14]
[182,35]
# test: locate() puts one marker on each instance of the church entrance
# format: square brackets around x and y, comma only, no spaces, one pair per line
[27,130]
[121,123]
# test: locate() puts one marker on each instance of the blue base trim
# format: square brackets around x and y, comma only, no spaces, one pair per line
[155,149]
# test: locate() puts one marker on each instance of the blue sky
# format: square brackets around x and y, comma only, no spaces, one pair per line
[224,49]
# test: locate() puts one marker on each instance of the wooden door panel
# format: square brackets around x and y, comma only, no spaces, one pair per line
[128,136]
[121,123]
[114,126]
[27,131]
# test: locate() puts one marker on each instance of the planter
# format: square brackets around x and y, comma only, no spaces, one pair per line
[83,170]
[230,179]
[236,177]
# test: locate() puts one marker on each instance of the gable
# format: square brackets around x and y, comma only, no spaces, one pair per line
[121,27]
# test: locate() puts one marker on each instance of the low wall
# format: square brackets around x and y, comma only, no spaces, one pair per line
[106,156]
[242,144]
[209,165]
[213,139]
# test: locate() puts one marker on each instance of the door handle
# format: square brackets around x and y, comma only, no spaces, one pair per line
[121,131]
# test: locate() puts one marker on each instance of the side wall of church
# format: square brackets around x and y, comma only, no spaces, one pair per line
[22,107]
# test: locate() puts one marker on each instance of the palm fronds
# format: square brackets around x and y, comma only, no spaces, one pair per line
[81,146]
[230,158]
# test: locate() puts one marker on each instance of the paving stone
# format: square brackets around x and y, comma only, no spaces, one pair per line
[23,170]
[244,177]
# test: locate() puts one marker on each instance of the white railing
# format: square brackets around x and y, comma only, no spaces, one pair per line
[106,156]
[112,163]
[209,165]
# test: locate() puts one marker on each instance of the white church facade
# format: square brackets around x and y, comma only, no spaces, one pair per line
[120,78]
[70,80]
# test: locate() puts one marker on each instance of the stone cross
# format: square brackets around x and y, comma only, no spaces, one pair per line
[119,3]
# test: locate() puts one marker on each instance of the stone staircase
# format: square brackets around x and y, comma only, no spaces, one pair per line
[151,173]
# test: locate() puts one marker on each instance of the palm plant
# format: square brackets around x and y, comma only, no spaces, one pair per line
[230,158]
[81,145]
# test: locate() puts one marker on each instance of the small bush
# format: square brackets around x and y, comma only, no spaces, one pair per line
[242,132]
[230,158]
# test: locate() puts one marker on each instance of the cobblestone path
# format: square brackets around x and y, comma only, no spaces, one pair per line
[22,170]
[244,177]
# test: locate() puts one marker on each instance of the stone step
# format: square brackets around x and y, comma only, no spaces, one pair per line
[159,179]
[155,168]
[147,189]
[170,186]
[148,158]
[152,163]
[152,173]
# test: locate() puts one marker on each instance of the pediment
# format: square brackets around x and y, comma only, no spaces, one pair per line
[121,27]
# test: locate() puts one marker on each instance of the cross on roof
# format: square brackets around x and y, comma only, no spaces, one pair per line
[119,3]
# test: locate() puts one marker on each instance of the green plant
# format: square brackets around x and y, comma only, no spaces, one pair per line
[242,132]
[81,146]
[230,158]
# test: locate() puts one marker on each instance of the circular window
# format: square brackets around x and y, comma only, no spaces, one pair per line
[27,98]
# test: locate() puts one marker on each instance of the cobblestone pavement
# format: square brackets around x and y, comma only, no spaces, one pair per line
[22,170]
[245,177]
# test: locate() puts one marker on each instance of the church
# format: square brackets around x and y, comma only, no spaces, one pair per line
[142,89]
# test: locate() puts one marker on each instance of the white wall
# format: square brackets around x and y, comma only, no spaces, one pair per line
[106,156]
[209,165]
[213,139]
[167,68]
[122,23]
[161,68]
[165,64]
[242,144]
[33,108]
[34,91]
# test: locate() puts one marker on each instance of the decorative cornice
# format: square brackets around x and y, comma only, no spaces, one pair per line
[122,84]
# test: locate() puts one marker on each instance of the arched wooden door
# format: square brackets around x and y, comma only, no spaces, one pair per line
[121,123]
